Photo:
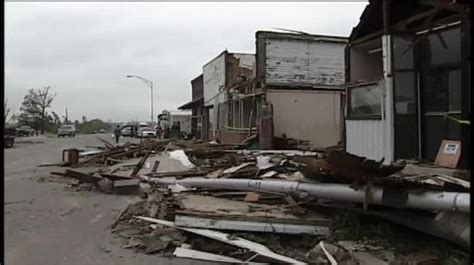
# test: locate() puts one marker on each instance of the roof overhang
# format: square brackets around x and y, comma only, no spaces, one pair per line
[404,16]
[193,103]
[301,36]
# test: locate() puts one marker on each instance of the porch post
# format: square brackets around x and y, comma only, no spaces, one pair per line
[388,85]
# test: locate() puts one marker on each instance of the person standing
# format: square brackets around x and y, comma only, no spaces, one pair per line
[117,134]
[158,131]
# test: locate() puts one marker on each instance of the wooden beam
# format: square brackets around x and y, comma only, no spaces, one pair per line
[386,17]
[416,17]
[367,37]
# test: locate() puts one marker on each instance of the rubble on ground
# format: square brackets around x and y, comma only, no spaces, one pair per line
[233,205]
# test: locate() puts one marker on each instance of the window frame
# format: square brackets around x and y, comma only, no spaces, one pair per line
[352,116]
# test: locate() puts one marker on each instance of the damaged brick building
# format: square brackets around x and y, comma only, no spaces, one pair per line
[225,117]
[196,105]
[302,77]
[299,78]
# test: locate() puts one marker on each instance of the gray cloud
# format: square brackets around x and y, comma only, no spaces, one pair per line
[85,50]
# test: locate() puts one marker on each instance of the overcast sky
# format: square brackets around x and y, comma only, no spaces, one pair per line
[85,50]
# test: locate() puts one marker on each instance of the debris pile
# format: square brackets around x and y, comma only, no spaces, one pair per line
[230,204]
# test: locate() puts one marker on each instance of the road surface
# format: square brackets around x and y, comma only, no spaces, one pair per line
[44,224]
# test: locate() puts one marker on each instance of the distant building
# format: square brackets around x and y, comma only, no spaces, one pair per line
[196,105]
[182,119]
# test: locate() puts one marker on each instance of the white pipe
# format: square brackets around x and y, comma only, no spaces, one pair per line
[428,200]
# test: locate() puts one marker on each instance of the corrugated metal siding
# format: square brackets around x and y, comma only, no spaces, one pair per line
[366,138]
[374,139]
[301,62]
[213,77]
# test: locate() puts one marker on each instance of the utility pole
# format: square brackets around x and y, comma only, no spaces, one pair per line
[150,84]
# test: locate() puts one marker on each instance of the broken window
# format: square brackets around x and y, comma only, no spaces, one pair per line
[442,90]
[366,61]
[241,113]
[402,52]
[365,101]
[223,115]
[405,92]
[440,59]
[439,48]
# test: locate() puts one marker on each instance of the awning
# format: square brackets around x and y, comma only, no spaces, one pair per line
[193,103]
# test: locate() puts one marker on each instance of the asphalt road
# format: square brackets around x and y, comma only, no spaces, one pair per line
[44,224]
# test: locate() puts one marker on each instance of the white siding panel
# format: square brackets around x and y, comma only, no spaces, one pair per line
[304,62]
[366,138]
[374,139]
[213,74]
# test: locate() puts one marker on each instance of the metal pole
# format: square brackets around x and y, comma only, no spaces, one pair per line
[427,200]
[151,86]
[149,83]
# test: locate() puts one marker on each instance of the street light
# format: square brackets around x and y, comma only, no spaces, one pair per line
[149,83]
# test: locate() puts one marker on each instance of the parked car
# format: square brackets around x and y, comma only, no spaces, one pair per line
[67,130]
[102,131]
[127,131]
[146,132]
[25,130]
[9,137]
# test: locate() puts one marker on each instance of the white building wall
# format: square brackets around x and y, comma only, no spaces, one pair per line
[374,139]
[307,115]
[213,74]
[184,118]
[245,60]
[304,62]
[185,122]
[366,138]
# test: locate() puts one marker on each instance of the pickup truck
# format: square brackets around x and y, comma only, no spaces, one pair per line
[67,130]
[9,137]
[145,132]
[25,131]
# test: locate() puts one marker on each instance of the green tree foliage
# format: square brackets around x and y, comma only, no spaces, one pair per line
[93,126]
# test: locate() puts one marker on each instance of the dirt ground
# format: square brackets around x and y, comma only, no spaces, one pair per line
[46,224]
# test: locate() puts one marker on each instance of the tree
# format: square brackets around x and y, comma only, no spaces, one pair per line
[56,119]
[6,112]
[45,98]
[84,119]
[92,126]
[33,110]
[29,112]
